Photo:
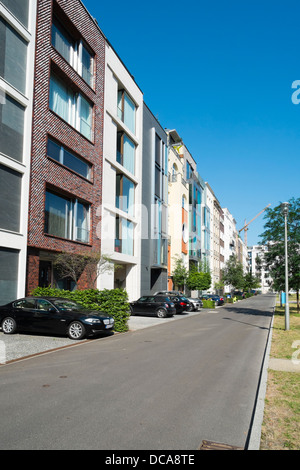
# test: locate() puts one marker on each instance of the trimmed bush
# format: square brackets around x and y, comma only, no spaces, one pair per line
[208,303]
[113,302]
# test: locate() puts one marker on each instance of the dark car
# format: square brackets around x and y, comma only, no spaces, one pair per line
[219,300]
[53,315]
[158,305]
[181,303]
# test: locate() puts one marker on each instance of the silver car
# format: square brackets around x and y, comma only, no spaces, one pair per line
[196,303]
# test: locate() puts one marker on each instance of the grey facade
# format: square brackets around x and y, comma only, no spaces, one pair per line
[154,252]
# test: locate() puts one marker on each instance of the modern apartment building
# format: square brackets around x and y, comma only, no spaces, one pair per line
[154,243]
[216,241]
[257,268]
[67,140]
[17,39]
[121,228]
[178,205]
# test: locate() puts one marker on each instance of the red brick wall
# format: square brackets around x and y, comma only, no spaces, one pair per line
[45,172]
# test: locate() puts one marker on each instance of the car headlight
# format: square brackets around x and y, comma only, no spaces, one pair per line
[108,321]
[93,320]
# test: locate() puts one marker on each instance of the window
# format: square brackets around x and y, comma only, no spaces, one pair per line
[126,152]
[25,304]
[10,199]
[13,57]
[157,181]
[66,217]
[76,52]
[44,305]
[71,106]
[63,156]
[124,236]
[62,42]
[9,262]
[19,8]
[126,110]
[124,194]
[11,128]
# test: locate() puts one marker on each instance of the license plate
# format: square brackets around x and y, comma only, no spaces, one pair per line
[109,326]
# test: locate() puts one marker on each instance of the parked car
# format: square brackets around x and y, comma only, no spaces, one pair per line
[218,299]
[53,315]
[158,305]
[182,304]
[196,303]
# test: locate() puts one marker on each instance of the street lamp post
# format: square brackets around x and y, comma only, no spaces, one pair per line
[285,210]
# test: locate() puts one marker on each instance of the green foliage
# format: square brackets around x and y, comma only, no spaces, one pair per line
[113,302]
[233,273]
[209,304]
[198,280]
[273,237]
[179,274]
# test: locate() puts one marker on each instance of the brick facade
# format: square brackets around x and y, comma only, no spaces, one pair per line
[45,172]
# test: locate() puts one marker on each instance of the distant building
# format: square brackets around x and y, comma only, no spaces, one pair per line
[257,268]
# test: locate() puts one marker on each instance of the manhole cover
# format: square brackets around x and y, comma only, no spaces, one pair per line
[210,445]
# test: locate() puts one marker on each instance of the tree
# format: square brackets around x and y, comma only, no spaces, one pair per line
[180,273]
[274,236]
[198,280]
[233,274]
[72,265]
[251,282]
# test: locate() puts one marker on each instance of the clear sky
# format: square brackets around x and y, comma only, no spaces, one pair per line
[221,74]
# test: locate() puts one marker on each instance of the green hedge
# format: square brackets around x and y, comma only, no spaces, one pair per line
[208,303]
[113,302]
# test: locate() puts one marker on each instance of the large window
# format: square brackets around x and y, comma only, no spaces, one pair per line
[71,106]
[63,156]
[76,53]
[124,236]
[11,127]
[19,8]
[124,194]
[126,110]
[13,56]
[66,217]
[10,199]
[9,264]
[126,152]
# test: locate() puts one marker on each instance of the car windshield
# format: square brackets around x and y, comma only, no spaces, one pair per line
[63,304]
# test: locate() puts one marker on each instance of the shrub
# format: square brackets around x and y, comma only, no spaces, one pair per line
[208,303]
[113,302]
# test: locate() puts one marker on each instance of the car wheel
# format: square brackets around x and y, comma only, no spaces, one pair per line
[76,330]
[131,311]
[161,313]
[9,326]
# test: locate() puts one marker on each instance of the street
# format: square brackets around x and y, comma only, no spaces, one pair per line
[169,386]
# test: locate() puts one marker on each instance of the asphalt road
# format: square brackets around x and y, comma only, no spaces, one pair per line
[168,386]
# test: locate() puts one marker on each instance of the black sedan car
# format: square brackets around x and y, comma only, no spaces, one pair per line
[182,304]
[158,305]
[53,315]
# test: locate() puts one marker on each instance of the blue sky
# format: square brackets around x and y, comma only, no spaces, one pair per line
[220,73]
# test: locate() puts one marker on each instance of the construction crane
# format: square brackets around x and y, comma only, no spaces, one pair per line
[246,225]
